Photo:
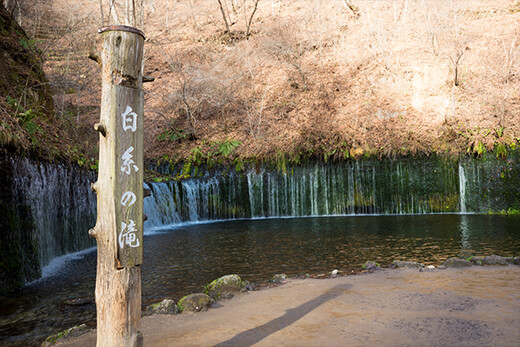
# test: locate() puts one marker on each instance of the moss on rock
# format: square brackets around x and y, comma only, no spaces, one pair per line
[225,287]
[195,303]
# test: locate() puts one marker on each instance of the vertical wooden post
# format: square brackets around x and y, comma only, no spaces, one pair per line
[119,226]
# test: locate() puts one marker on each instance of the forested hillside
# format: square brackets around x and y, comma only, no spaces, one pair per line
[298,78]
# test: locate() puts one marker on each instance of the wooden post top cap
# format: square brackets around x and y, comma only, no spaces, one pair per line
[121,28]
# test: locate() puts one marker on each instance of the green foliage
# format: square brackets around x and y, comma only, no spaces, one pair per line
[501,150]
[78,157]
[29,44]
[27,119]
[328,154]
[477,149]
[172,134]
[281,162]
[239,165]
[510,212]
[227,146]
[499,131]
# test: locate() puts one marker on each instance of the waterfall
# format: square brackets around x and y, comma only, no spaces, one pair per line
[62,205]
[462,188]
[46,211]
[363,187]
[401,186]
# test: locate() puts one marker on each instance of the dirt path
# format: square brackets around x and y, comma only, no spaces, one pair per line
[472,307]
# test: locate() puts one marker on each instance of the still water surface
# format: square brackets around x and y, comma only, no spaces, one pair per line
[181,260]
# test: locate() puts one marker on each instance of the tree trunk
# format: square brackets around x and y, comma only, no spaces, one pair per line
[224,17]
[119,226]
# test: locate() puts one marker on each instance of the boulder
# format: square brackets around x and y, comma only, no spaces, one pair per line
[167,306]
[406,265]
[195,303]
[279,279]
[371,266]
[456,262]
[225,287]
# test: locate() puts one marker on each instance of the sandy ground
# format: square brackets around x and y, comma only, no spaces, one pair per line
[471,307]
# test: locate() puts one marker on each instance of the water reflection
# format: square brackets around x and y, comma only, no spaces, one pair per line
[182,260]
[465,234]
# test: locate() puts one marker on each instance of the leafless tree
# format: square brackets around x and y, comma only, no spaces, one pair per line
[126,12]
[509,58]
[224,16]
[248,17]
[282,41]
[202,88]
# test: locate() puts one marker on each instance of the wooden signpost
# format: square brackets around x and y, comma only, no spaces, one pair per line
[119,225]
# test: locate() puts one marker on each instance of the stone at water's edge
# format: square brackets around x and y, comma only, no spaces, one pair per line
[513,260]
[195,303]
[167,306]
[371,266]
[406,265]
[489,260]
[456,262]
[225,287]
[279,279]
[494,260]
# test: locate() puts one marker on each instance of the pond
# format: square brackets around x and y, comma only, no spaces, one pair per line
[180,260]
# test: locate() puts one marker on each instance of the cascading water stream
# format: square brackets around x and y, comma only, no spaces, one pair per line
[462,188]
[404,186]
[62,204]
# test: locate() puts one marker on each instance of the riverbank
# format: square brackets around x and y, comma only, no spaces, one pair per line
[452,307]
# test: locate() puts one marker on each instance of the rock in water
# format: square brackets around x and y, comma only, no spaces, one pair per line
[225,287]
[456,262]
[195,303]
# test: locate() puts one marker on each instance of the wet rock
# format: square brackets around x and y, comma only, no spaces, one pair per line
[279,279]
[513,260]
[494,260]
[456,262]
[248,286]
[371,266]
[195,303]
[489,260]
[476,260]
[406,265]
[78,302]
[167,306]
[75,331]
[225,287]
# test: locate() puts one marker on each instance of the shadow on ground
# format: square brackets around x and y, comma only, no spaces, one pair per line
[252,336]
